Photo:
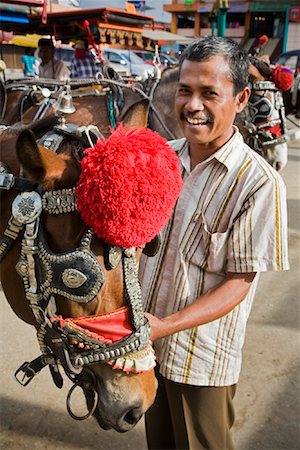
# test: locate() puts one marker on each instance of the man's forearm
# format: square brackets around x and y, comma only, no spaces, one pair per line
[214,304]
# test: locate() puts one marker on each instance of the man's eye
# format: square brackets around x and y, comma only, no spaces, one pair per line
[210,94]
[182,90]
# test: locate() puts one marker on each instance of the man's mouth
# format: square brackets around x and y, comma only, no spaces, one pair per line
[197,120]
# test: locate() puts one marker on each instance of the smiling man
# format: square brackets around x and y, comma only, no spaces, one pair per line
[229,224]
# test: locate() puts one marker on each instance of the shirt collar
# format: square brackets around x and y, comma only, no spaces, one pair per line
[226,155]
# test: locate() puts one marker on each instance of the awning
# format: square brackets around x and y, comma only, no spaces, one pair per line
[161,35]
[30,40]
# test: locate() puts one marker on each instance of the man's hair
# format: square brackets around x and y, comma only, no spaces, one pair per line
[44,42]
[204,48]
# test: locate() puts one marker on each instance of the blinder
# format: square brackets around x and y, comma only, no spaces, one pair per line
[261,108]
[76,275]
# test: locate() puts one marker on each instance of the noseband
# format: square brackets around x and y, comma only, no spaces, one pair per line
[75,275]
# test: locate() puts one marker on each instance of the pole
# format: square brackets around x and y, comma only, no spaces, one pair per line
[222,13]
[285,29]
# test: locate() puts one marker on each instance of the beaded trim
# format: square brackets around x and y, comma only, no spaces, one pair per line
[60,201]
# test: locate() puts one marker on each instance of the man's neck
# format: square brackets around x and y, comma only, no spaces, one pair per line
[201,152]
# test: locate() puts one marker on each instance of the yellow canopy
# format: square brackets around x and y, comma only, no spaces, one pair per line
[30,40]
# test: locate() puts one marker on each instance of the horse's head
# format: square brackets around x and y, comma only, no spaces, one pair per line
[83,292]
[264,117]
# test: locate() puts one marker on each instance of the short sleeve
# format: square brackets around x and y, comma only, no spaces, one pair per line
[258,239]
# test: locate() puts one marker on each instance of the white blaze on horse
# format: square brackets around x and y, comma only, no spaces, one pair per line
[74,276]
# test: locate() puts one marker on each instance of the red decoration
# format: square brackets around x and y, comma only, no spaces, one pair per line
[107,327]
[282,77]
[128,186]
[275,130]
[262,40]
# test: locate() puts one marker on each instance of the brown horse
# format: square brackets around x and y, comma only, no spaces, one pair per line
[257,131]
[116,398]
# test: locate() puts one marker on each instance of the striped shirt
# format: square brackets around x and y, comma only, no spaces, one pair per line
[230,217]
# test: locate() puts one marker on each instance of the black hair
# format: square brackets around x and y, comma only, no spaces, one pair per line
[44,42]
[29,51]
[208,46]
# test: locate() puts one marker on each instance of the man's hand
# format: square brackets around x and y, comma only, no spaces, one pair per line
[214,304]
[157,325]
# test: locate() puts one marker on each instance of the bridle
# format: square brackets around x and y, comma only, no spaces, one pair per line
[76,275]
[258,116]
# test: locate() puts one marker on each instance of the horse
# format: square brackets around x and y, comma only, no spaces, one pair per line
[263,115]
[58,284]
[101,101]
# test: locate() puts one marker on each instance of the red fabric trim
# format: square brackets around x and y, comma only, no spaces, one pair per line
[276,130]
[106,328]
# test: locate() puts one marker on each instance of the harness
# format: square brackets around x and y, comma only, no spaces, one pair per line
[263,130]
[77,276]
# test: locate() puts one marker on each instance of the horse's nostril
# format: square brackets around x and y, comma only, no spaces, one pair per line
[133,416]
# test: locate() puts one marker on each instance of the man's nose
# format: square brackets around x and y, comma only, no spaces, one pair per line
[195,103]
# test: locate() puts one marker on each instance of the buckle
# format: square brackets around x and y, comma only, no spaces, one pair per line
[30,369]
[6,180]
[27,372]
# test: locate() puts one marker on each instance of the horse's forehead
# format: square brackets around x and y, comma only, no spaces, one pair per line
[254,72]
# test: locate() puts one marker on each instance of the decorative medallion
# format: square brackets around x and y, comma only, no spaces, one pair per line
[73,278]
[27,207]
[114,256]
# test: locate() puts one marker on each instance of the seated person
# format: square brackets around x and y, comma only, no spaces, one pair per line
[51,67]
[83,64]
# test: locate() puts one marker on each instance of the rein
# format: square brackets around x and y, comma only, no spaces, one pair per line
[145,96]
[75,275]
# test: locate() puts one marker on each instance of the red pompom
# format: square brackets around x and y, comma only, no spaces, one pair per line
[128,186]
[282,77]
[262,40]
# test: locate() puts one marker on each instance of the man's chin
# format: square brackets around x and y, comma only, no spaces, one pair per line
[197,136]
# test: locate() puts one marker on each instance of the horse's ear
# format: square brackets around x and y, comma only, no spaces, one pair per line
[39,164]
[30,157]
[152,247]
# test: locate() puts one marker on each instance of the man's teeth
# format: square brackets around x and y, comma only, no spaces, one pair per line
[196,121]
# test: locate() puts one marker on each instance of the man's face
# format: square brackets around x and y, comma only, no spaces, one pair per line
[205,104]
[45,53]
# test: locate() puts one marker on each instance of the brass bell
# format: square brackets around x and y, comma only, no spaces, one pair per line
[65,103]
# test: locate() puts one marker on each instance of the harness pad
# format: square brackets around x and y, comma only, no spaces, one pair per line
[76,275]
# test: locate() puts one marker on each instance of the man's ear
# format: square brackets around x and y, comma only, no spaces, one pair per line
[242,99]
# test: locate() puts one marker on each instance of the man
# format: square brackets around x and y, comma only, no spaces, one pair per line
[50,66]
[229,224]
[83,65]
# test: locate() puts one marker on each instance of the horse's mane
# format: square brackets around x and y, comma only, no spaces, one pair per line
[262,66]
[169,75]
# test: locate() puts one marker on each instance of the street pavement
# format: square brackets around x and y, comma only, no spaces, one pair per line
[267,400]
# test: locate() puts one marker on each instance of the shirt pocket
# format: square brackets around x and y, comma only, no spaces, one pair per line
[207,250]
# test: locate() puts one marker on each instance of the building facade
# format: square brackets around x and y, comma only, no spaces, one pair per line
[243,20]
